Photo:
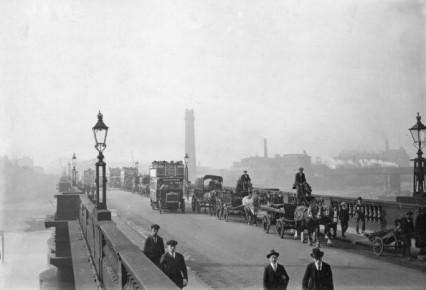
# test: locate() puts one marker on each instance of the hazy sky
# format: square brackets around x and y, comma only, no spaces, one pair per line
[320,76]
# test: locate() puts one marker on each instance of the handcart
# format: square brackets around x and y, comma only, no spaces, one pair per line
[387,238]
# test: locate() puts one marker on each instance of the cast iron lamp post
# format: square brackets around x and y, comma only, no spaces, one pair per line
[69,171]
[186,158]
[418,132]
[74,174]
[100,131]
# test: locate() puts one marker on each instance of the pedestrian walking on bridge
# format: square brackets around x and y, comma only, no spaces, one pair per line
[275,277]
[154,245]
[173,265]
[318,275]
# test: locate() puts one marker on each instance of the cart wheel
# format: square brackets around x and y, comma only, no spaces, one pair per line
[378,246]
[198,206]
[193,202]
[226,214]
[280,228]
[219,209]
[266,224]
[183,206]
[159,206]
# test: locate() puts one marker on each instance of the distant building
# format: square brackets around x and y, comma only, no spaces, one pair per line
[399,157]
[25,162]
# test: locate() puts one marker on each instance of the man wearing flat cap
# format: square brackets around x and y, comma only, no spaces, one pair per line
[173,265]
[274,277]
[407,228]
[154,245]
[318,275]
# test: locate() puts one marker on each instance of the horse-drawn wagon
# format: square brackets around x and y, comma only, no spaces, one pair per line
[205,190]
[242,201]
[280,212]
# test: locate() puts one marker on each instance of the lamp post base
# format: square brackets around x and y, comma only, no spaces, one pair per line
[103,215]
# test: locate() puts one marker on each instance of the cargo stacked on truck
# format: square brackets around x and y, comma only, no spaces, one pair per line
[166,185]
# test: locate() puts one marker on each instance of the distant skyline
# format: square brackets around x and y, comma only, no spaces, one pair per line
[311,76]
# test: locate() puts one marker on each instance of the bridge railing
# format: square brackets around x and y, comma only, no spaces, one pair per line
[119,263]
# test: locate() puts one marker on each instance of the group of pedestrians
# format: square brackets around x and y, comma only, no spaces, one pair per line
[318,274]
[171,262]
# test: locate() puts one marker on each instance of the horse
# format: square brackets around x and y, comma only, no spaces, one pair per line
[210,199]
[305,218]
[251,208]
[304,191]
[327,216]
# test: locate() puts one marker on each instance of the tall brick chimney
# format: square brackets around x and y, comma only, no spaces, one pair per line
[190,144]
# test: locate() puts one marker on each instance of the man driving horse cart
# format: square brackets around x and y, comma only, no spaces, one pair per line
[303,188]
[241,202]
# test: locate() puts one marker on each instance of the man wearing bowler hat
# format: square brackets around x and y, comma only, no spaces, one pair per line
[154,245]
[173,265]
[318,275]
[274,277]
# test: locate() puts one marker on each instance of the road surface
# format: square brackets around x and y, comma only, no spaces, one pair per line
[232,255]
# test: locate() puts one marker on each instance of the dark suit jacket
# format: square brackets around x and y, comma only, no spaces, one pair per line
[174,268]
[153,250]
[318,280]
[275,279]
[299,178]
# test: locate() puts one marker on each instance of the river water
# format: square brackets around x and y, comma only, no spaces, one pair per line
[25,238]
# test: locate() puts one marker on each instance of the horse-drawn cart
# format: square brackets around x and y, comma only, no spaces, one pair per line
[280,215]
[205,190]
[387,238]
[228,203]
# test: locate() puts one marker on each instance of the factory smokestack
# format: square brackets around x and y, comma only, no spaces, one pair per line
[265,148]
[190,144]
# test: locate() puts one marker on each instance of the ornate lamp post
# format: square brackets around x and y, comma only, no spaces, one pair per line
[74,173]
[100,131]
[418,132]
[186,158]
[69,170]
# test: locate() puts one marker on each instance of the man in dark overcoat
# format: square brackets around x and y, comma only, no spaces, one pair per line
[274,277]
[318,275]
[154,245]
[173,265]
[407,228]
[344,217]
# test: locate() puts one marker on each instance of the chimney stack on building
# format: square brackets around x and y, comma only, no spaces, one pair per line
[265,148]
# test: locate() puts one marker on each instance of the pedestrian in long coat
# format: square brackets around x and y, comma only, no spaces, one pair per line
[318,275]
[274,276]
[173,265]
[407,228]
[154,245]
